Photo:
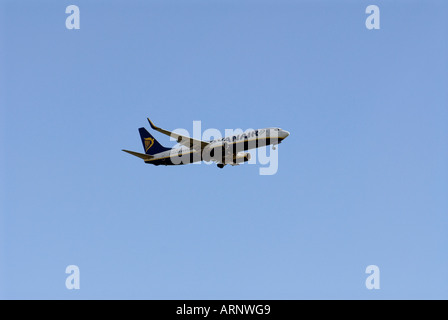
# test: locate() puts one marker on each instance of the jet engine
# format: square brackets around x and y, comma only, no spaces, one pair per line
[241,157]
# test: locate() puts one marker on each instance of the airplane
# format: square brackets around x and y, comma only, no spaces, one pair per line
[228,150]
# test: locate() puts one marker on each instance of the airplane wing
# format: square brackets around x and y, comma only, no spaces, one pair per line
[186,141]
[140,155]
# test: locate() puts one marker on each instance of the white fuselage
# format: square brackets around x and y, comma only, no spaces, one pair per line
[219,150]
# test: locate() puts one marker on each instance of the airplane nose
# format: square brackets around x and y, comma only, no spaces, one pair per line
[285,134]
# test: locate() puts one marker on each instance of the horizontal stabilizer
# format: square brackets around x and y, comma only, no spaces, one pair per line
[139,155]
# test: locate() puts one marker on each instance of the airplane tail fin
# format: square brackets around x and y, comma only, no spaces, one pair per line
[150,144]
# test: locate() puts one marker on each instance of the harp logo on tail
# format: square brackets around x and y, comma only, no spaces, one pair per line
[148,143]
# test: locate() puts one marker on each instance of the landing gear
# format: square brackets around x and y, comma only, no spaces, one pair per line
[273,147]
[220,165]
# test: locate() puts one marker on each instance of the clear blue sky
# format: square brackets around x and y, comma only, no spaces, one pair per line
[363,178]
